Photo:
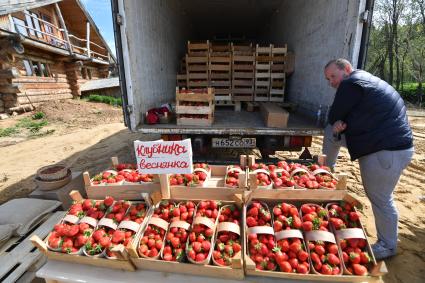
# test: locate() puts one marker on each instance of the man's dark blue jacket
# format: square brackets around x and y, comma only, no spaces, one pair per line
[375,115]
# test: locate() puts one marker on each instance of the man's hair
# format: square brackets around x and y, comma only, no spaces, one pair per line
[340,63]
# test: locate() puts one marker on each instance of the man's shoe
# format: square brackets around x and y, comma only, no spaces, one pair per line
[382,252]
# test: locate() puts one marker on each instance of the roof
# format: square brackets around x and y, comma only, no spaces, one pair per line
[100,84]
[11,6]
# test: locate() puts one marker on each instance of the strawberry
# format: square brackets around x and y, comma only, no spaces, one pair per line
[286,216]
[232,176]
[228,244]
[292,251]
[314,217]
[325,258]
[152,241]
[136,213]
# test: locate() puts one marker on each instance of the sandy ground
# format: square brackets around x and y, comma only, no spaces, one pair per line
[87,135]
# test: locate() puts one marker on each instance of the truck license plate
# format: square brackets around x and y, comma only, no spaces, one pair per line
[234,143]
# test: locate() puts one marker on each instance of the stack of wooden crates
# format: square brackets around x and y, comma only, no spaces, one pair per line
[237,72]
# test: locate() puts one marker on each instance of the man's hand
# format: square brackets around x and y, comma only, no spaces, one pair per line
[339,127]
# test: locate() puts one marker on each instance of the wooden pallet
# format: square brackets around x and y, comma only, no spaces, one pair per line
[197,71]
[19,259]
[198,48]
[236,105]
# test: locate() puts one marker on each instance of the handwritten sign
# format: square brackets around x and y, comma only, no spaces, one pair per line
[164,157]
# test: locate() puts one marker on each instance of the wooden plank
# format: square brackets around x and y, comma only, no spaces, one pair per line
[194,109]
[190,269]
[9,73]
[195,122]
[195,97]
[21,255]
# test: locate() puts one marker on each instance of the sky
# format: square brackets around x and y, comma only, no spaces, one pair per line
[100,11]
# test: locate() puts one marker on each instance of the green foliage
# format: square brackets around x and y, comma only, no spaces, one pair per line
[39,115]
[7,132]
[32,126]
[105,99]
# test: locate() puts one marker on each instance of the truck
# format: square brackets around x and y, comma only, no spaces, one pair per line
[151,37]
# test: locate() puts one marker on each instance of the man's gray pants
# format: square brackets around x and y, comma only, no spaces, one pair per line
[380,173]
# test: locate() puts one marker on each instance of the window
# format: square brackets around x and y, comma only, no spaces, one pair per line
[20,26]
[28,68]
[36,24]
[89,73]
[29,23]
[36,68]
[44,69]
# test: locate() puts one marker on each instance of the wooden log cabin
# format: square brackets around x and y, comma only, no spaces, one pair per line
[48,49]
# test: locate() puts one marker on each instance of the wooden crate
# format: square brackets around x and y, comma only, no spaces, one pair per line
[185,112]
[197,71]
[279,53]
[127,192]
[235,271]
[182,80]
[262,72]
[277,87]
[298,197]
[214,188]
[123,263]
[220,74]
[198,48]
[243,49]
[18,260]
[243,77]
[220,49]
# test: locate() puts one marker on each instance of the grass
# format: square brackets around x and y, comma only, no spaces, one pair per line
[7,132]
[33,125]
[105,99]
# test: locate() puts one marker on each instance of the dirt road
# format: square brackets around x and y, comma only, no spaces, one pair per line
[87,135]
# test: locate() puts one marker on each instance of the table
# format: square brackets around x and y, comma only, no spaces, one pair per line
[56,271]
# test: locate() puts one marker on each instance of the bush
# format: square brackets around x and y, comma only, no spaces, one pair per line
[39,115]
[105,99]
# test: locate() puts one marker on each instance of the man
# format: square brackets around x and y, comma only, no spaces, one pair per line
[368,117]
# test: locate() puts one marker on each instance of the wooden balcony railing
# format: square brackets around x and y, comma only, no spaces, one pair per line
[55,36]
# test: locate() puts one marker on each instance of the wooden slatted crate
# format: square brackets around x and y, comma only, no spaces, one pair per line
[195,107]
[262,72]
[198,48]
[243,66]
[278,75]
[197,71]
[220,73]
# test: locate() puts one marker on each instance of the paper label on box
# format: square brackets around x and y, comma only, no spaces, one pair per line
[205,221]
[161,223]
[323,171]
[261,230]
[89,220]
[350,233]
[71,219]
[284,234]
[129,225]
[180,224]
[229,226]
[320,236]
[299,170]
[108,223]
